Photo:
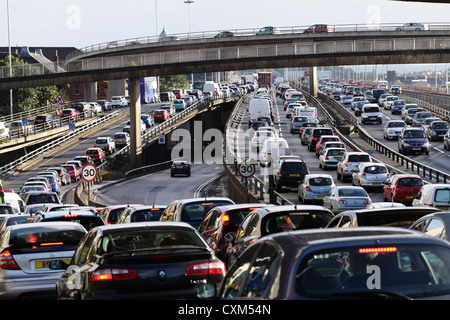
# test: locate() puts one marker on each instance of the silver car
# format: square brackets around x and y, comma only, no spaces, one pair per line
[419,118]
[393,128]
[25,254]
[330,157]
[314,187]
[370,175]
[342,198]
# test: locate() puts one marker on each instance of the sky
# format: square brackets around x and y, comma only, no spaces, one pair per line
[82,23]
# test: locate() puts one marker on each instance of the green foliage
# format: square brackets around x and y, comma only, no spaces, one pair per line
[168,83]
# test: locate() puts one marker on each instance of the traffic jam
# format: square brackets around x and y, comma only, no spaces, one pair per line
[212,248]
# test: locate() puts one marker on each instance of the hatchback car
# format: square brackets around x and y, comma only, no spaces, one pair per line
[70,114]
[350,162]
[107,144]
[180,167]
[44,121]
[296,123]
[437,130]
[314,187]
[318,28]
[97,155]
[13,219]
[111,214]
[409,115]
[342,198]
[144,260]
[323,139]
[402,188]
[316,133]
[393,128]
[73,171]
[330,157]
[407,107]
[419,118]
[26,252]
[413,140]
[161,115]
[42,197]
[372,175]
[269,220]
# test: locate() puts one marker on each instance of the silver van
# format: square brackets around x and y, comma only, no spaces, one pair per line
[433,195]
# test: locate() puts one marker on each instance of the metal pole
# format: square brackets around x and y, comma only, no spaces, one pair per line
[10,60]
[188,3]
[156,17]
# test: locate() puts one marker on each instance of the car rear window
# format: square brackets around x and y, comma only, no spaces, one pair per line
[375,169]
[43,198]
[442,195]
[101,141]
[294,166]
[321,132]
[353,192]
[359,158]
[152,214]
[196,211]
[120,136]
[321,181]
[410,182]
[336,153]
[88,222]
[6,210]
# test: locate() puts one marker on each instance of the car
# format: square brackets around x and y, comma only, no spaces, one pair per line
[111,214]
[161,115]
[323,139]
[41,179]
[268,31]
[266,119]
[179,104]
[220,222]
[426,123]
[169,108]
[18,128]
[370,175]
[389,102]
[371,113]
[107,144]
[316,133]
[96,107]
[143,127]
[305,131]
[121,139]
[289,173]
[392,216]
[74,173]
[393,128]
[77,163]
[31,188]
[256,125]
[141,214]
[314,187]
[272,149]
[434,224]
[447,140]
[411,26]
[180,167]
[64,176]
[437,130]
[270,220]
[225,34]
[413,140]
[419,118]
[406,107]
[192,210]
[97,155]
[44,121]
[13,219]
[6,209]
[118,102]
[350,162]
[343,198]
[402,188]
[330,157]
[409,115]
[258,138]
[395,89]
[87,219]
[436,195]
[346,100]
[84,160]
[26,252]
[167,96]
[383,98]
[148,120]
[54,182]
[319,28]
[397,106]
[379,205]
[146,260]
[42,197]
[105,104]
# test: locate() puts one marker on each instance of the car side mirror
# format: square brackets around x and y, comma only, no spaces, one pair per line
[230,237]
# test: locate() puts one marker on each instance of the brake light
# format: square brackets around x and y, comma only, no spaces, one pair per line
[114,274]
[207,268]
[346,163]
[363,175]
[7,262]
[342,201]
[308,188]
[226,220]
[46,244]
[377,250]
[367,202]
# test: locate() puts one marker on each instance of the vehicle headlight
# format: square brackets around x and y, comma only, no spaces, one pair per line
[433,133]
[406,144]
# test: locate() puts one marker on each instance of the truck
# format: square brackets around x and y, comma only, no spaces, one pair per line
[264,79]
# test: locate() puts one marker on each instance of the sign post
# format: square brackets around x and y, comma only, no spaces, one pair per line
[89,173]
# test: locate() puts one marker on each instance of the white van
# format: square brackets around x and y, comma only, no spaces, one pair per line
[258,108]
[4,130]
[15,201]
[211,86]
[272,149]
[433,195]
[310,112]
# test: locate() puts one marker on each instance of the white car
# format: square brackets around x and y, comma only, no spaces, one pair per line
[389,102]
[412,26]
[170,108]
[350,162]
[119,102]
[370,175]
[314,187]
[107,144]
[393,128]
[96,107]
[407,107]
[330,157]
[259,137]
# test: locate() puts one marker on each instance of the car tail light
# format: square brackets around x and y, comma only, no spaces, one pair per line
[346,163]
[367,202]
[326,157]
[226,220]
[7,262]
[207,268]
[363,175]
[308,188]
[114,274]
[342,201]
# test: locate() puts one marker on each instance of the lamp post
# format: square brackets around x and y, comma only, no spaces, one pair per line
[189,2]
[10,61]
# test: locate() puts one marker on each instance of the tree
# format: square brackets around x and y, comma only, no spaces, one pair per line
[168,83]
[25,98]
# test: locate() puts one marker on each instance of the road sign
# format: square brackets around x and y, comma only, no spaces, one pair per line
[59,99]
[162,139]
[72,126]
[89,172]
[246,170]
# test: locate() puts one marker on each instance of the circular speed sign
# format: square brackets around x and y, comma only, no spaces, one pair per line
[246,170]
[89,172]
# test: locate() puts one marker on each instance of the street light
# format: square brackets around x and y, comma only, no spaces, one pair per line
[189,2]
[10,61]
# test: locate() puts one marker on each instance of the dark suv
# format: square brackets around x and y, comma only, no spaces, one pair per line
[289,173]
[315,136]
[413,140]
[44,120]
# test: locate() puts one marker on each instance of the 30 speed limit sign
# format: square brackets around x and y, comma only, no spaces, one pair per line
[246,170]
[89,172]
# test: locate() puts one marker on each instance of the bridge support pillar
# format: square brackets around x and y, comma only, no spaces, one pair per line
[90,91]
[135,124]
[313,81]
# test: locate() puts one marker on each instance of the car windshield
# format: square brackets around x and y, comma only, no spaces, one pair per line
[375,169]
[398,124]
[440,125]
[408,269]
[88,222]
[153,239]
[196,211]
[352,192]
[294,220]
[410,182]
[415,134]
[321,181]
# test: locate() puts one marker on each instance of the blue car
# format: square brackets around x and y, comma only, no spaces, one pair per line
[413,140]
[179,105]
[347,100]
[398,106]
[148,120]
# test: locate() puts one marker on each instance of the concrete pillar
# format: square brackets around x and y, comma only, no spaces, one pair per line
[135,123]
[116,88]
[90,91]
[313,81]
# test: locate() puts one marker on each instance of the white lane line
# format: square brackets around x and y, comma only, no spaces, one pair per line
[438,150]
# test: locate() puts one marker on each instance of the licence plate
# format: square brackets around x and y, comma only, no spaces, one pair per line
[443,208]
[416,149]
[320,197]
[409,197]
[376,183]
[337,158]
[46,263]
[294,175]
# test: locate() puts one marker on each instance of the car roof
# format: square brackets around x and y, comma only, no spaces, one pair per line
[243,206]
[139,225]
[281,208]
[188,200]
[390,210]
[51,214]
[56,224]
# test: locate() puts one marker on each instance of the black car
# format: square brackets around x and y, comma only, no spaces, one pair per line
[289,173]
[225,34]
[315,136]
[180,167]
[268,220]
[384,263]
[143,260]
[376,93]
[437,130]
[44,121]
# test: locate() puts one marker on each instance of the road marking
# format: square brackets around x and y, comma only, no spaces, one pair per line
[438,150]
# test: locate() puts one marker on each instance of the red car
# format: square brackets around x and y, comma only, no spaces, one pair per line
[402,187]
[221,221]
[161,115]
[96,154]
[319,28]
[69,113]
[324,139]
[73,171]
